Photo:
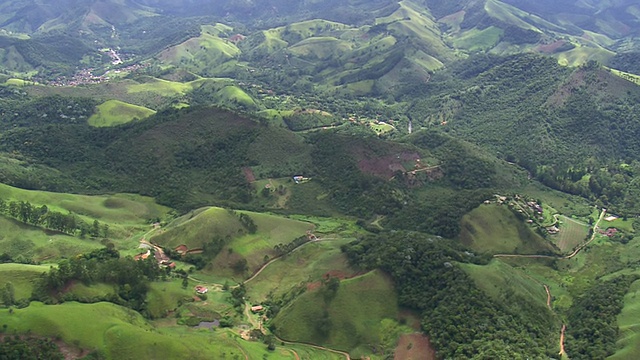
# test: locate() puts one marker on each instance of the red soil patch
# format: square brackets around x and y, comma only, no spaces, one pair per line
[385,167]
[414,347]
[456,17]
[551,48]
[249,175]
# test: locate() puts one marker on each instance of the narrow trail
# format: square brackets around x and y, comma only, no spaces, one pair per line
[546,288]
[562,352]
[345,354]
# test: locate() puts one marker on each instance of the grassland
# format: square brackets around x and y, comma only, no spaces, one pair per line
[629,325]
[25,242]
[232,95]
[495,229]
[308,264]
[199,227]
[123,212]
[116,112]
[478,40]
[354,314]
[501,281]
[166,296]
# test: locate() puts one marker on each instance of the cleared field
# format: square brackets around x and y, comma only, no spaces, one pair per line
[495,229]
[353,319]
[116,112]
[629,324]
[572,233]
[308,264]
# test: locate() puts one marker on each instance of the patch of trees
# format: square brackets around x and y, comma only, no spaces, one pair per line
[18,348]
[41,216]
[130,278]
[282,249]
[592,330]
[461,320]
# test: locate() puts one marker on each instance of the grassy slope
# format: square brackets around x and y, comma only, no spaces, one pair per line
[201,226]
[118,332]
[198,227]
[118,210]
[18,239]
[308,264]
[499,279]
[495,229]
[233,95]
[115,112]
[21,276]
[628,322]
[355,313]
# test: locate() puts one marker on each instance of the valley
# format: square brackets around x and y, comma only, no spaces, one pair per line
[380,179]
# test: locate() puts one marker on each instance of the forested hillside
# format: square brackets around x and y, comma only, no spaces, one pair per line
[372,179]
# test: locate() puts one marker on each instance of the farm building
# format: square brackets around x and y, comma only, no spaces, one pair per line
[257,308]
[201,289]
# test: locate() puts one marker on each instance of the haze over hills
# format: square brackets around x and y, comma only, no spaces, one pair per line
[311,179]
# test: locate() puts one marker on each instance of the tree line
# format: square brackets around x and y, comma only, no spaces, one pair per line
[129,277]
[42,216]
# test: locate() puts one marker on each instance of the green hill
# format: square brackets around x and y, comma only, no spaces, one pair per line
[115,112]
[354,317]
[495,229]
[114,332]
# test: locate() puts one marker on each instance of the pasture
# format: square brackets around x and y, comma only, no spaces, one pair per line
[308,264]
[351,321]
[495,229]
[116,112]
[117,209]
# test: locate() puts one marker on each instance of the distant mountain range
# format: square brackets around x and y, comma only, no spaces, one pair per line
[376,35]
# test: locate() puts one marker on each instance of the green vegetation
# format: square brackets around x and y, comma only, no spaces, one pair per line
[114,112]
[306,265]
[419,267]
[496,229]
[628,325]
[354,315]
[29,349]
[594,334]
[114,332]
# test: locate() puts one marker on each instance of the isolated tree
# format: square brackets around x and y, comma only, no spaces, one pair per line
[8,295]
